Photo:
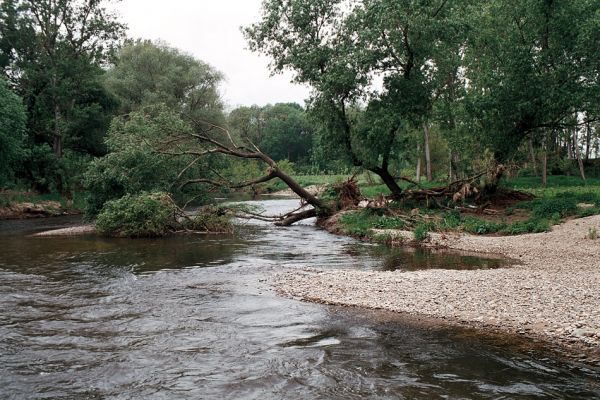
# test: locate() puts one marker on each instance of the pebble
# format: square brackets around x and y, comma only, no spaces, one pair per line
[552,292]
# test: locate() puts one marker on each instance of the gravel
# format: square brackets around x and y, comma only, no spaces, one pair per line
[552,292]
[71,231]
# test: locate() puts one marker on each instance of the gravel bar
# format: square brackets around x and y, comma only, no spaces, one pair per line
[553,291]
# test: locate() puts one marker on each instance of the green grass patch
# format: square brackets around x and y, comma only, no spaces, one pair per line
[360,223]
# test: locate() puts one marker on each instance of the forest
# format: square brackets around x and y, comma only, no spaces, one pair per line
[416,93]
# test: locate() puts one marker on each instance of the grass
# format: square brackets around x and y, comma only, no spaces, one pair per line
[563,197]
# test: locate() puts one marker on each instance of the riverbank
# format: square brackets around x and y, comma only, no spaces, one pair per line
[26,205]
[551,293]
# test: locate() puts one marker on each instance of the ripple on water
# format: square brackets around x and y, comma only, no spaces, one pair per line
[194,317]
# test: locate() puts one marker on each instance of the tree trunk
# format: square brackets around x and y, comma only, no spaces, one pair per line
[418,176]
[578,154]
[427,153]
[545,164]
[57,138]
[297,217]
[454,160]
[532,155]
[451,177]
[588,139]
[389,181]
[299,190]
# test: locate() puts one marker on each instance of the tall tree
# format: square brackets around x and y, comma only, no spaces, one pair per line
[338,48]
[147,73]
[12,132]
[53,50]
[530,68]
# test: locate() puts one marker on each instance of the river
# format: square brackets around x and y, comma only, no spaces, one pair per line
[195,317]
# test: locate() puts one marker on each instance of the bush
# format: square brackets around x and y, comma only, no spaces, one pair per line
[156,215]
[529,226]
[421,232]
[548,208]
[143,215]
[209,219]
[482,227]
[132,165]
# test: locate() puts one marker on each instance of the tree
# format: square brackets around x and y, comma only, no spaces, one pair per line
[54,50]
[163,94]
[133,165]
[281,130]
[530,68]
[12,132]
[338,49]
[146,73]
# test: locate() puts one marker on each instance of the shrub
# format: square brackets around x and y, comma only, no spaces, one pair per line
[529,226]
[421,232]
[389,222]
[209,219]
[357,223]
[549,208]
[143,215]
[450,220]
[482,227]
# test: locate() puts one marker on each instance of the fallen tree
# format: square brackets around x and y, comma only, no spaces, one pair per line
[209,139]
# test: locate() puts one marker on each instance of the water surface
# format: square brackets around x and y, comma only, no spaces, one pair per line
[194,317]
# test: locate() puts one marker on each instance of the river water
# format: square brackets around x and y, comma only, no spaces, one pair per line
[195,318]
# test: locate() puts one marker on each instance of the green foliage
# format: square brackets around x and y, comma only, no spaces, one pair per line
[55,63]
[209,219]
[421,232]
[282,130]
[563,204]
[147,73]
[133,166]
[592,234]
[549,208]
[287,133]
[533,225]
[481,227]
[360,223]
[142,215]
[155,214]
[12,132]
[338,57]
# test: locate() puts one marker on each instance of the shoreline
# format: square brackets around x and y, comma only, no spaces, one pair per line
[551,294]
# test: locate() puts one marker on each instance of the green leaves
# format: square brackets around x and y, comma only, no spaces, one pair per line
[147,73]
[12,132]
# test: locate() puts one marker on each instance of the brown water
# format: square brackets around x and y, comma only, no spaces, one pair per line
[193,317]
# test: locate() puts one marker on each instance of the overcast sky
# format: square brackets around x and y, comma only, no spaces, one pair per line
[210,30]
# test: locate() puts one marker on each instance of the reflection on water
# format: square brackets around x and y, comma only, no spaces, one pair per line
[195,317]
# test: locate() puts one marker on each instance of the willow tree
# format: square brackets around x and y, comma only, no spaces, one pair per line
[532,65]
[370,65]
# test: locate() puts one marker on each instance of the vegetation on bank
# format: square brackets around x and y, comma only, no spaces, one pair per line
[17,204]
[564,198]
[433,93]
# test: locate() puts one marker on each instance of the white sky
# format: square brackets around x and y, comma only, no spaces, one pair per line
[210,30]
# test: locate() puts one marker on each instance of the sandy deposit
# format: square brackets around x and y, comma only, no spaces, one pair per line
[71,231]
[553,292]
